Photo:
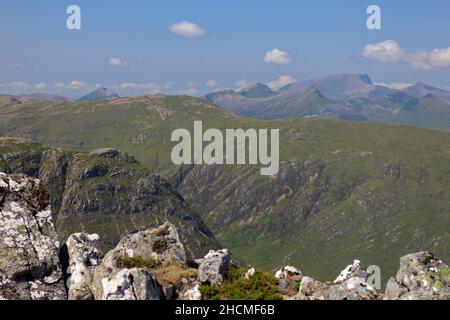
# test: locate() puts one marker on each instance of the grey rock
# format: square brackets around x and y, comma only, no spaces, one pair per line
[420,276]
[133,284]
[214,268]
[84,256]
[29,263]
[353,289]
[160,244]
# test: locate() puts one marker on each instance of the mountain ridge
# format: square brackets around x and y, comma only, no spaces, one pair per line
[345,97]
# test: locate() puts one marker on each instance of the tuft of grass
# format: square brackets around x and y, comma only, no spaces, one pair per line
[262,286]
[139,262]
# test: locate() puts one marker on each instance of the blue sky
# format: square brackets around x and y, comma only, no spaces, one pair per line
[128,45]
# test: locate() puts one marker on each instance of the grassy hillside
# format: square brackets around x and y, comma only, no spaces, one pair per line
[345,190]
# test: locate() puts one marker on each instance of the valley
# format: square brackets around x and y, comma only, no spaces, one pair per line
[344,190]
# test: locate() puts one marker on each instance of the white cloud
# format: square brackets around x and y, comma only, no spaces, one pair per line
[242,84]
[17,65]
[395,85]
[277,56]
[191,89]
[385,51]
[73,85]
[41,86]
[187,29]
[437,58]
[20,85]
[281,82]
[117,62]
[211,83]
[390,51]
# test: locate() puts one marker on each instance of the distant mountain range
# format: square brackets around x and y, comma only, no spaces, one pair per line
[34,97]
[101,94]
[344,96]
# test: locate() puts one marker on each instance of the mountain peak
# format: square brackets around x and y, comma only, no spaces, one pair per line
[100,95]
[257,90]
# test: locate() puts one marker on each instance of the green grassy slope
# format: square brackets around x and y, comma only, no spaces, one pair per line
[345,190]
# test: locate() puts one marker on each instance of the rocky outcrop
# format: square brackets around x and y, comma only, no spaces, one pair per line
[289,273]
[123,274]
[105,192]
[354,288]
[214,267]
[352,284]
[29,265]
[161,245]
[422,276]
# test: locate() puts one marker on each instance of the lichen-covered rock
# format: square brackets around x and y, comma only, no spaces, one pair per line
[214,268]
[29,263]
[133,284]
[355,288]
[84,256]
[161,245]
[421,276]
[289,273]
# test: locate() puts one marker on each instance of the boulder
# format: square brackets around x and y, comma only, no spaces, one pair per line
[29,250]
[352,284]
[84,256]
[289,274]
[161,245]
[311,289]
[250,273]
[214,268]
[355,288]
[133,284]
[421,276]
[192,294]
[353,270]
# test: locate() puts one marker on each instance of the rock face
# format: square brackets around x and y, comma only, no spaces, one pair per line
[214,268]
[29,263]
[421,276]
[351,284]
[84,256]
